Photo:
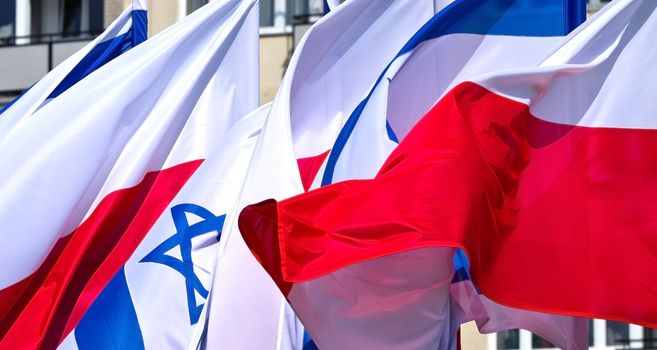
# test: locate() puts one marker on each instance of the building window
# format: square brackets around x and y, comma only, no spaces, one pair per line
[7,19]
[508,339]
[266,13]
[603,335]
[540,343]
[71,17]
[618,333]
[193,5]
[650,338]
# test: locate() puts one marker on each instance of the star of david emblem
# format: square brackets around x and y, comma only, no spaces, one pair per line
[183,239]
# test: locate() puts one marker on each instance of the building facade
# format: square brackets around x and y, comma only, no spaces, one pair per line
[36,35]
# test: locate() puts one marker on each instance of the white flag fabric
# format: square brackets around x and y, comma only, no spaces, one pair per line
[130,173]
[334,66]
[126,32]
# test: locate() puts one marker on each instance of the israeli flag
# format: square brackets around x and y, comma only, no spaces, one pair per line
[126,32]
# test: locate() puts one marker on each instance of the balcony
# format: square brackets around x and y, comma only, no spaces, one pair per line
[26,59]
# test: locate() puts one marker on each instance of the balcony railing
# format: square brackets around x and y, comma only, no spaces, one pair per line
[25,59]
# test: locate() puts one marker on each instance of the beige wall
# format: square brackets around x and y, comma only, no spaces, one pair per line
[274,52]
[112,10]
[471,339]
[161,14]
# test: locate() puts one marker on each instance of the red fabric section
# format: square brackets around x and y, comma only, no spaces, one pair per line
[55,297]
[262,219]
[554,218]
[308,168]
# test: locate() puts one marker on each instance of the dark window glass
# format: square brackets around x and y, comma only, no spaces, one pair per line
[72,17]
[508,339]
[540,343]
[96,16]
[617,333]
[295,8]
[7,18]
[650,338]
[590,332]
[266,13]
[193,5]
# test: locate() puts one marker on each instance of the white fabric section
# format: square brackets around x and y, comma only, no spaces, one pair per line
[400,301]
[566,332]
[439,64]
[105,133]
[140,5]
[68,343]
[36,96]
[601,76]
[245,306]
[338,61]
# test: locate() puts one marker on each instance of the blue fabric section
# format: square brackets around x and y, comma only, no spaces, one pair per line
[461,275]
[461,267]
[503,17]
[327,9]
[139,26]
[183,239]
[391,133]
[308,344]
[491,17]
[111,321]
[105,52]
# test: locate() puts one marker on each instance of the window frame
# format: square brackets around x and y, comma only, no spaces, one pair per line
[599,338]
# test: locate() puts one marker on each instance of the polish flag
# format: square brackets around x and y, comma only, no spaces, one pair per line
[543,175]
[466,39]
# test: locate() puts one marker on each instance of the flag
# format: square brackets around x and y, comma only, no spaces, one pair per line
[126,32]
[456,44]
[329,73]
[104,168]
[543,175]
[330,5]
[466,39]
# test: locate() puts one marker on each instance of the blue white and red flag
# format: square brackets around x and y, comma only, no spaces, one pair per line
[116,191]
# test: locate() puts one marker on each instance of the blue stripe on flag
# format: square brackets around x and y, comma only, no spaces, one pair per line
[111,321]
[105,52]
[308,343]
[461,267]
[139,26]
[489,17]
[503,17]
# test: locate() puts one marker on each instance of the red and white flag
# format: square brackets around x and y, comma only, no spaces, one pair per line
[544,176]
